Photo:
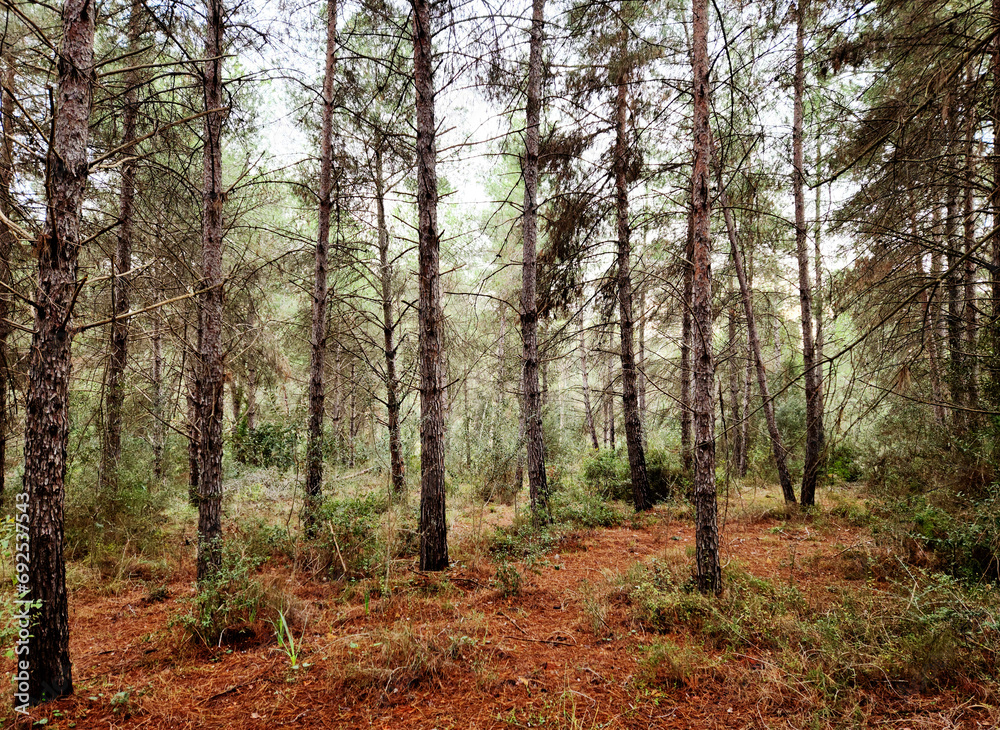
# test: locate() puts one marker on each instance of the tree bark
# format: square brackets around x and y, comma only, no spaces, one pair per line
[531,394]
[818,305]
[317,341]
[969,306]
[630,393]
[211,368]
[709,567]
[433,528]
[397,467]
[777,444]
[814,419]
[47,413]
[588,410]
[7,242]
[686,331]
[121,283]
[993,326]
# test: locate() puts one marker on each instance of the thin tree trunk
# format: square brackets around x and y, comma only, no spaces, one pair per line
[630,393]
[777,444]
[971,326]
[641,361]
[686,333]
[158,415]
[46,430]
[814,418]
[433,529]
[956,361]
[318,335]
[818,304]
[7,241]
[397,467]
[745,424]
[531,394]
[993,326]
[352,423]
[194,425]
[930,331]
[588,411]
[211,375]
[121,284]
[735,393]
[709,567]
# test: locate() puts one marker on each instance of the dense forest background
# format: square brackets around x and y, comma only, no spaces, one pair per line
[332,283]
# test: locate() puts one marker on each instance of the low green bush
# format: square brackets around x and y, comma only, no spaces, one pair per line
[265,445]
[349,534]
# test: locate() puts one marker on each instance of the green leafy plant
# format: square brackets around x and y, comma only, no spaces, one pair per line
[286,639]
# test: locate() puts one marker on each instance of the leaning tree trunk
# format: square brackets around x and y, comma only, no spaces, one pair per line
[317,342]
[777,445]
[7,240]
[211,374]
[709,568]
[46,428]
[531,394]
[630,392]
[588,410]
[121,283]
[814,419]
[433,529]
[397,467]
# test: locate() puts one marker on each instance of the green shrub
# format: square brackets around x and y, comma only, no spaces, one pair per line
[843,462]
[267,444]
[606,473]
[349,534]
[580,507]
[228,605]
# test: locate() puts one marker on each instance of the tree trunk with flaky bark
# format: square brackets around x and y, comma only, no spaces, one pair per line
[709,567]
[121,264]
[7,241]
[685,404]
[397,467]
[777,444]
[630,392]
[433,529]
[814,419]
[211,371]
[993,326]
[317,341]
[46,428]
[531,394]
[588,410]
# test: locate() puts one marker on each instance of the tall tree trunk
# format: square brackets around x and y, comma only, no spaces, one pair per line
[46,428]
[433,529]
[531,394]
[993,326]
[971,326]
[641,361]
[397,467]
[745,424]
[777,444]
[735,393]
[686,331]
[630,393]
[814,419]
[953,317]
[709,567]
[588,411]
[121,264]
[194,425]
[211,371]
[7,241]
[156,342]
[318,335]
[818,301]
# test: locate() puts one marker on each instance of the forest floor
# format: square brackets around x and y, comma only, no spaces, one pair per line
[551,641]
